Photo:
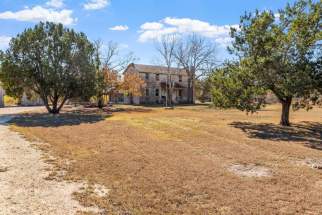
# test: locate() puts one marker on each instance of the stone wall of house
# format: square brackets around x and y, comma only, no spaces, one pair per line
[157,82]
[155,94]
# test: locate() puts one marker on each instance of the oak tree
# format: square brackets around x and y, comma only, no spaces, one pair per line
[132,84]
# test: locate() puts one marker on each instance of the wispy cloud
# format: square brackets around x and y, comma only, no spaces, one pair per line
[169,25]
[4,42]
[55,3]
[124,46]
[119,28]
[96,4]
[38,13]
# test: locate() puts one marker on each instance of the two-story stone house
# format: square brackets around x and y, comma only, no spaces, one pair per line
[160,84]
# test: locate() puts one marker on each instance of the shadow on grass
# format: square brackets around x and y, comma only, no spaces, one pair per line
[309,133]
[49,120]
[130,110]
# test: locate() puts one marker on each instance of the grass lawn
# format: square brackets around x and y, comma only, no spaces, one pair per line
[181,161]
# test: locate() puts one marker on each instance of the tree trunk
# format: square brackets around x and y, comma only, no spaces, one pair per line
[193,96]
[55,109]
[131,99]
[285,117]
[45,100]
[191,90]
[100,102]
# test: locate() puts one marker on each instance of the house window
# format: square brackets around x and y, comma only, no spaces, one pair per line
[157,92]
[157,77]
[180,78]
[146,92]
[146,76]
[180,93]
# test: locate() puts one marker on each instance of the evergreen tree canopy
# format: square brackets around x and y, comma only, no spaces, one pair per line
[277,53]
[54,62]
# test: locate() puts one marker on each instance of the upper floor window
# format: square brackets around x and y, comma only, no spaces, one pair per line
[180,78]
[157,92]
[180,93]
[157,77]
[146,92]
[146,76]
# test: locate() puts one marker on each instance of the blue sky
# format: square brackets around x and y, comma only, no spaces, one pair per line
[134,24]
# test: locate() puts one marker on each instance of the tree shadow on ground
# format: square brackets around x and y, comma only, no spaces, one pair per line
[49,120]
[108,110]
[308,133]
[130,110]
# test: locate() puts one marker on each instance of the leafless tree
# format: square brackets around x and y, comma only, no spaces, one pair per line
[113,59]
[110,56]
[165,47]
[197,55]
[109,63]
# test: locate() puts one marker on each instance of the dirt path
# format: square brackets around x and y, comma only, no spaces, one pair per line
[24,189]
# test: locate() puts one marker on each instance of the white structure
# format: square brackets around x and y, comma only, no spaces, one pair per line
[24,100]
[30,102]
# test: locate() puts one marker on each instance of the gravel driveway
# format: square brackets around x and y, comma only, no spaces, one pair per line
[22,171]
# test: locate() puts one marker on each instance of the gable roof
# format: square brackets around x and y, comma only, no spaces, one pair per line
[156,69]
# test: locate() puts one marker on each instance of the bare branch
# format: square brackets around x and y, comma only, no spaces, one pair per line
[111,56]
[196,54]
[166,49]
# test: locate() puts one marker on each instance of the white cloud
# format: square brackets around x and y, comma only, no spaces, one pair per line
[153,30]
[151,26]
[39,13]
[55,3]
[96,4]
[119,28]
[4,42]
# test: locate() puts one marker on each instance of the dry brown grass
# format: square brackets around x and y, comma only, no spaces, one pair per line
[158,161]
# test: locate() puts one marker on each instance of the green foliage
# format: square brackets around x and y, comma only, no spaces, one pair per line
[276,53]
[235,86]
[54,62]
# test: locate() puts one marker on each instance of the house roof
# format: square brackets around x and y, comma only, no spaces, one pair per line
[157,69]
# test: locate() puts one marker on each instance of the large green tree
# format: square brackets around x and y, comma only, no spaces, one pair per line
[276,53]
[52,61]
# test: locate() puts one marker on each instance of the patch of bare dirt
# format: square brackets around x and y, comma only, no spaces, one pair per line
[311,162]
[250,170]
